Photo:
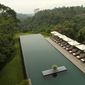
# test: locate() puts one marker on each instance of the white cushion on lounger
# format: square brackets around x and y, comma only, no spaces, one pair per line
[61,45]
[78,56]
[82,59]
[66,48]
[70,51]
[74,53]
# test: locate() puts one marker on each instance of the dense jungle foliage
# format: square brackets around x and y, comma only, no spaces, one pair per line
[8,24]
[66,20]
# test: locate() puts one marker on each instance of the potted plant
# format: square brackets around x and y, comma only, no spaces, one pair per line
[54,67]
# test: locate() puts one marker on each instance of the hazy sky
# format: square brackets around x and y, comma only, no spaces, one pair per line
[28,6]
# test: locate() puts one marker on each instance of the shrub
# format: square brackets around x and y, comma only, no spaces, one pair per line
[54,67]
[25,82]
[44,33]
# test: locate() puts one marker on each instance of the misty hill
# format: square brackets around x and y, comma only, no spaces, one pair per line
[21,16]
[66,20]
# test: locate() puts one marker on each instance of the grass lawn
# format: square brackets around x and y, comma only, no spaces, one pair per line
[45,35]
[12,73]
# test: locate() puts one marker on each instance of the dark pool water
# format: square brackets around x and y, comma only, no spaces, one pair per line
[40,55]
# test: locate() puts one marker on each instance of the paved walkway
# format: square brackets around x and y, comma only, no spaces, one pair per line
[30,83]
[73,59]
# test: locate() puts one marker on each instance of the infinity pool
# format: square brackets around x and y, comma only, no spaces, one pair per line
[40,55]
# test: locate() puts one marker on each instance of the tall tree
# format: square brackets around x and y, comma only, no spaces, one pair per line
[8,23]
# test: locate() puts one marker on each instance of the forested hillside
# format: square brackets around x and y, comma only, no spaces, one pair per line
[67,20]
[8,24]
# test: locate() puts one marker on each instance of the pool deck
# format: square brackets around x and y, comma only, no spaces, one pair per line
[72,58]
[30,83]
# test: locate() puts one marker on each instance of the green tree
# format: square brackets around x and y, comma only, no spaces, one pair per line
[8,24]
[81,36]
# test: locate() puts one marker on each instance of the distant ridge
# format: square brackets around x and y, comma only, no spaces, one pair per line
[22,16]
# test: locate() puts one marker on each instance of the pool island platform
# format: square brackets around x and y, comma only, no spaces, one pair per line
[51,71]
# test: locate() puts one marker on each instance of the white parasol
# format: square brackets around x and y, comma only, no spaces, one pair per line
[68,39]
[81,47]
[74,43]
[54,32]
[62,36]
[57,34]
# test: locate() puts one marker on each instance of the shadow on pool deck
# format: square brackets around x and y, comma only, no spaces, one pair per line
[72,58]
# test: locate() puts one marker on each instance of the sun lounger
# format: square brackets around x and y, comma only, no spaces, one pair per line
[56,39]
[63,43]
[59,42]
[77,53]
[83,60]
[70,48]
[73,50]
[53,37]
[81,56]
[67,46]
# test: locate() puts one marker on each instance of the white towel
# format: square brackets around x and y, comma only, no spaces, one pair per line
[82,59]
[55,40]
[70,51]
[59,43]
[74,53]
[78,56]
[66,48]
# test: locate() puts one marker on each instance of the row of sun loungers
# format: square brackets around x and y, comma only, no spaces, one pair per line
[81,56]
[77,53]
[70,48]
[73,50]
